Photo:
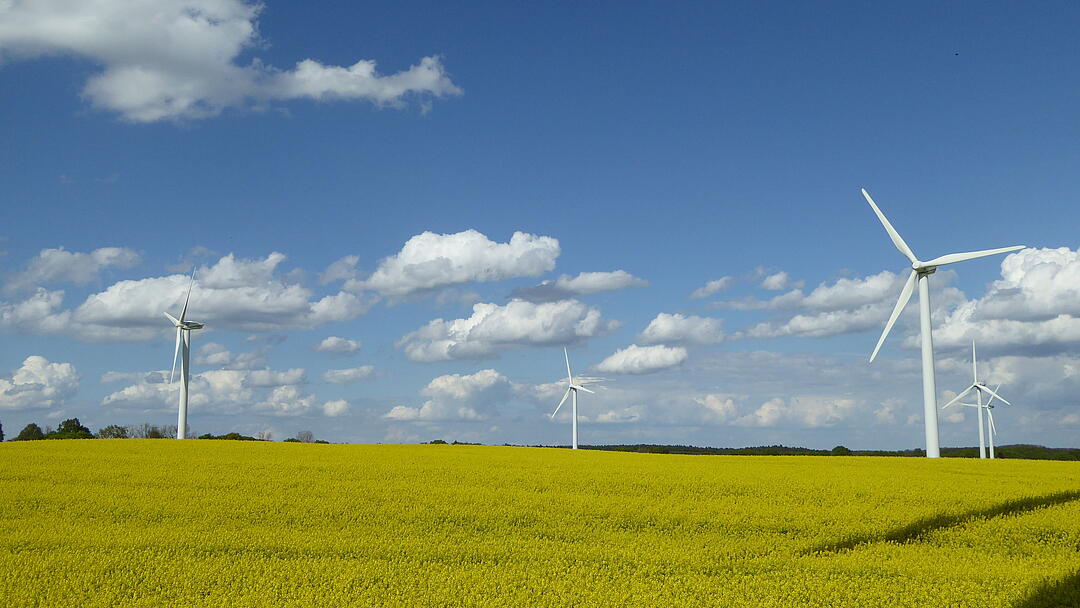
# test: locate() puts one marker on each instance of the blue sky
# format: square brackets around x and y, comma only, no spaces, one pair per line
[677,145]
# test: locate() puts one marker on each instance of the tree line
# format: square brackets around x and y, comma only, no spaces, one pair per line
[73,429]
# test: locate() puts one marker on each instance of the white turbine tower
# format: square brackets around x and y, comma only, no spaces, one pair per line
[570,391]
[921,271]
[979,389]
[183,343]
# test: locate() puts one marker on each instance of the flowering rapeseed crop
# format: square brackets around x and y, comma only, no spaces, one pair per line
[207,523]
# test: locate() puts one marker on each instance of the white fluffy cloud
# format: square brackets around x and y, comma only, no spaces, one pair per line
[234,293]
[177,59]
[338,407]
[428,261]
[567,286]
[216,355]
[58,265]
[350,375]
[681,329]
[636,359]
[458,397]
[779,281]
[847,305]
[1034,307]
[712,287]
[334,344]
[343,269]
[492,328]
[222,391]
[38,384]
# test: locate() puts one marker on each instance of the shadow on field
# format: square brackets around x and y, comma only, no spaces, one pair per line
[1061,594]
[921,527]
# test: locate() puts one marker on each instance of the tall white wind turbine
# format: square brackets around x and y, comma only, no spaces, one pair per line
[921,271]
[571,391]
[979,389]
[183,344]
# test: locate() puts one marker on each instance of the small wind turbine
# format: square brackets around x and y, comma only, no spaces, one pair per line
[921,272]
[571,390]
[979,389]
[183,338]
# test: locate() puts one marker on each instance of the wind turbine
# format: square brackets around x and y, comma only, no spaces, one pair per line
[979,389]
[921,271]
[571,390]
[183,342]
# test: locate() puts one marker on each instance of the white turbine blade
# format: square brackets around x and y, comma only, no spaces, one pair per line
[175,353]
[974,365]
[990,415]
[174,320]
[582,388]
[569,376]
[565,395]
[905,295]
[893,234]
[188,298]
[952,258]
[958,397]
[993,394]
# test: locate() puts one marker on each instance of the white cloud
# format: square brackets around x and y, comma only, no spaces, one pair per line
[712,287]
[286,400]
[341,270]
[567,286]
[721,407]
[334,344]
[492,328]
[52,266]
[339,407]
[222,391]
[681,329]
[177,59]
[428,261]
[238,294]
[347,376]
[805,411]
[636,359]
[779,281]
[216,355]
[1034,307]
[458,397]
[38,384]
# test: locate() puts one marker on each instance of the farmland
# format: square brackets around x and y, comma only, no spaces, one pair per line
[200,523]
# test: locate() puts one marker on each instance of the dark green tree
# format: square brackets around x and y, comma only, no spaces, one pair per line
[841,451]
[30,432]
[113,431]
[1,432]
[70,429]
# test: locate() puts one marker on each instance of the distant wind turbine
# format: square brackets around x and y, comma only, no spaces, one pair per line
[570,391]
[979,389]
[183,343]
[921,272]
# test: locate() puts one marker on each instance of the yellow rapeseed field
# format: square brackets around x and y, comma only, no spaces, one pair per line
[218,523]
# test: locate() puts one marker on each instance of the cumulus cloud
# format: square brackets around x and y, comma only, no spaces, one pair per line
[222,391]
[567,286]
[720,407]
[808,411]
[334,344]
[350,375]
[38,384]
[1034,308]
[779,281]
[492,328]
[52,266]
[234,293]
[681,329]
[847,305]
[338,407]
[712,287]
[430,261]
[341,270]
[178,59]
[458,397]
[216,355]
[636,359]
